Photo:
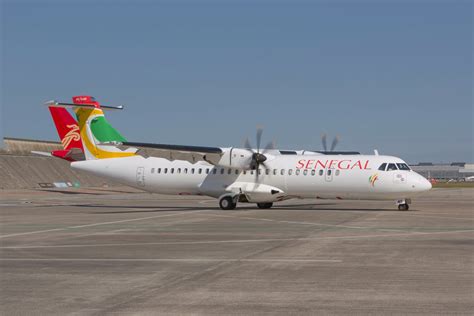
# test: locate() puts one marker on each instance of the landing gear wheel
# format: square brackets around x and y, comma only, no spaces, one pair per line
[264,205]
[403,207]
[227,203]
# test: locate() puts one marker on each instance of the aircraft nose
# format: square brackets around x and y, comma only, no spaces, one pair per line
[421,184]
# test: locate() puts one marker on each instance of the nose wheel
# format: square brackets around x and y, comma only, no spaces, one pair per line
[403,204]
[403,207]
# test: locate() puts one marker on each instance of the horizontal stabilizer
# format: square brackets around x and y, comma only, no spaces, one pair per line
[54,103]
[41,153]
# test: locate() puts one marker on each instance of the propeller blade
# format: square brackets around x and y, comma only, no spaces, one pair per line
[259,137]
[270,146]
[334,143]
[324,141]
[247,144]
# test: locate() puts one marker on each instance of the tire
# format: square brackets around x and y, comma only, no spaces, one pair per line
[403,207]
[264,205]
[227,203]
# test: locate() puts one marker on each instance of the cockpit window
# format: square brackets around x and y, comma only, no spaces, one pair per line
[403,166]
[383,166]
[391,166]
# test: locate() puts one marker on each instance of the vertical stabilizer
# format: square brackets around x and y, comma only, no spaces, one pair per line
[96,130]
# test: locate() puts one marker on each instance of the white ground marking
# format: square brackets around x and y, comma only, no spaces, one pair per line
[236,241]
[102,223]
[172,260]
[102,233]
[435,216]
[303,223]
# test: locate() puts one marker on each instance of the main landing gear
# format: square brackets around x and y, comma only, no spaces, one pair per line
[264,205]
[403,204]
[230,203]
[227,203]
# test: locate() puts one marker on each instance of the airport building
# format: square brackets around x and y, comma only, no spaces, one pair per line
[456,170]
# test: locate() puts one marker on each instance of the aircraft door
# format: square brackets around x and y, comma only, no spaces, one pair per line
[329,174]
[141,176]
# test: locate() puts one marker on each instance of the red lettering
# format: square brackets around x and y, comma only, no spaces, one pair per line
[318,162]
[357,164]
[347,166]
[332,163]
[300,164]
[366,166]
[309,163]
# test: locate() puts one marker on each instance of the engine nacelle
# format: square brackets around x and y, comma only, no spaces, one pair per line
[237,158]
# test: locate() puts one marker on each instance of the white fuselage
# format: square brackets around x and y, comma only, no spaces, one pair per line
[282,177]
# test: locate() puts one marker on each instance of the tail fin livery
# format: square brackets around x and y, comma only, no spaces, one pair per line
[95,129]
[67,127]
[68,131]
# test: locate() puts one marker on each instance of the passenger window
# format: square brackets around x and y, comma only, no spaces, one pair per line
[403,166]
[251,172]
[329,172]
[214,170]
[391,167]
[185,170]
[166,170]
[152,170]
[313,172]
[267,171]
[282,172]
[275,172]
[229,171]
[305,172]
[259,171]
[321,172]
[158,170]
[222,170]
[236,171]
[200,171]
[207,170]
[172,170]
[383,166]
[297,172]
[290,172]
[179,170]
[337,172]
[192,170]
[245,171]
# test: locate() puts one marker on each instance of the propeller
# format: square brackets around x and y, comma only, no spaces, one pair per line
[258,156]
[334,143]
[323,140]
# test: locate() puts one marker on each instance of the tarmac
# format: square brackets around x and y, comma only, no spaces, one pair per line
[118,251]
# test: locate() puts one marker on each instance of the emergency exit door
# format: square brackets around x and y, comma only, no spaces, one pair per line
[141,176]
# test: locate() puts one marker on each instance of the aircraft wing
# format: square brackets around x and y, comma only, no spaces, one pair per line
[192,154]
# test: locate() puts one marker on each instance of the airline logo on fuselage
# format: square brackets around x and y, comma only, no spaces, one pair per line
[373,178]
[341,164]
[72,135]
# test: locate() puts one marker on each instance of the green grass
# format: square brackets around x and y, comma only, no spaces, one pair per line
[454,185]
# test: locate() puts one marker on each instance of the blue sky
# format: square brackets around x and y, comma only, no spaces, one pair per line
[396,76]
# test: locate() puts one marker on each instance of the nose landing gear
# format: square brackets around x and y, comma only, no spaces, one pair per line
[403,204]
[403,207]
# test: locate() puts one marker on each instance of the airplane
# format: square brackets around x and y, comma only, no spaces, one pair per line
[237,175]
